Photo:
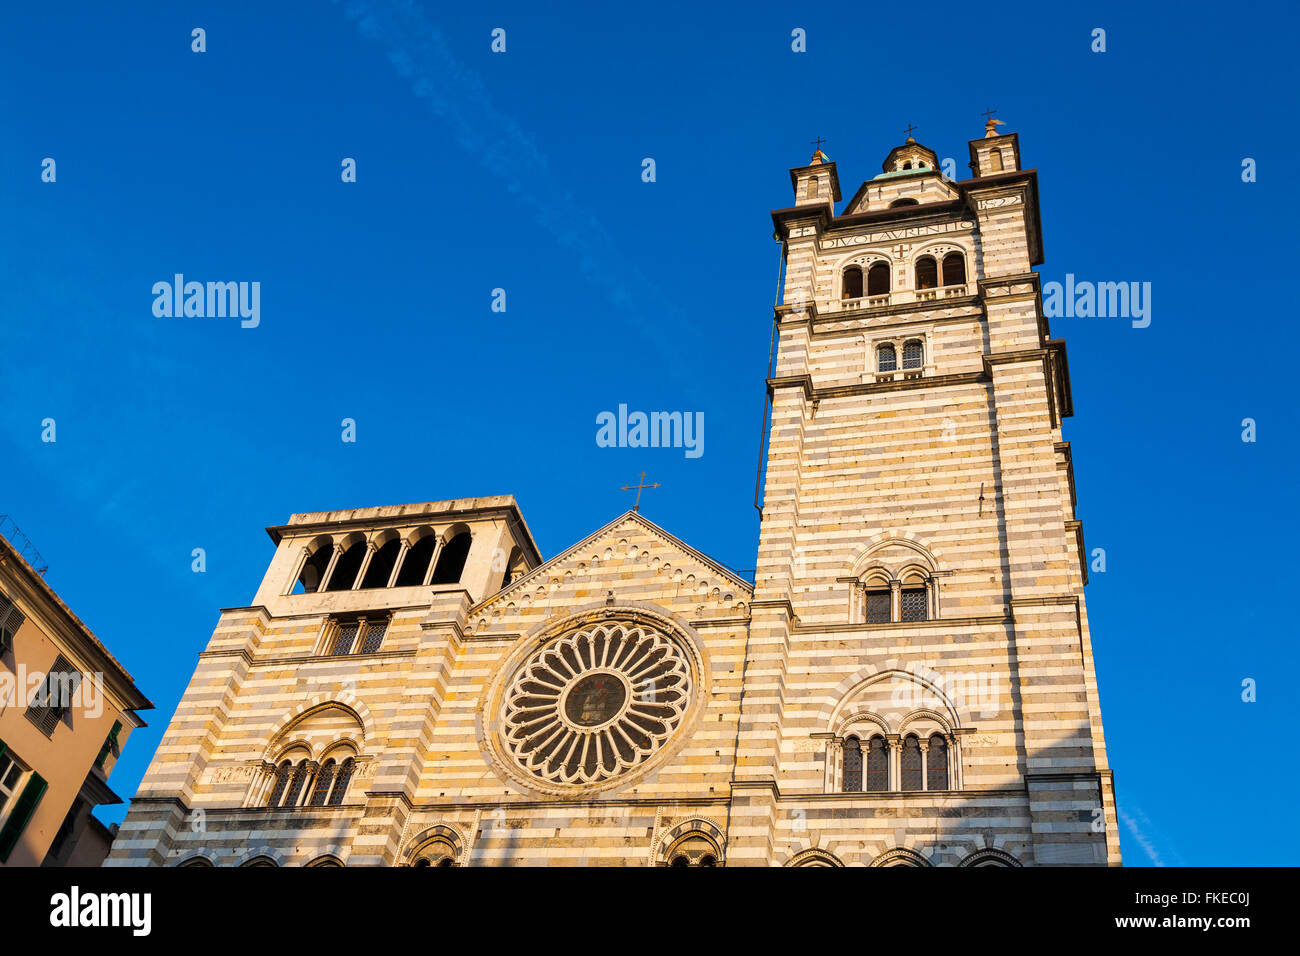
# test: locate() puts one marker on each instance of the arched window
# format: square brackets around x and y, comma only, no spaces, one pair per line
[912,602]
[437,852]
[341,784]
[910,765]
[852,283]
[877,765]
[416,564]
[812,188]
[321,791]
[197,861]
[381,565]
[913,354]
[908,164]
[373,638]
[694,849]
[886,358]
[879,601]
[344,637]
[345,570]
[936,764]
[878,279]
[852,765]
[260,861]
[995,160]
[296,783]
[927,273]
[325,861]
[282,775]
[954,269]
[903,202]
[451,561]
[313,569]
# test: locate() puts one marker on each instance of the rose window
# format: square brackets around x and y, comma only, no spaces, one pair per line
[596,703]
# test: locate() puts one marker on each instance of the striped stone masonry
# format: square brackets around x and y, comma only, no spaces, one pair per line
[908,680]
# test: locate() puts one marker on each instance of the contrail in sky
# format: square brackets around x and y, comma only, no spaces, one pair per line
[456,95]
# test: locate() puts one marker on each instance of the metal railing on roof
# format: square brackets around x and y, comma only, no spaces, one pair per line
[22,544]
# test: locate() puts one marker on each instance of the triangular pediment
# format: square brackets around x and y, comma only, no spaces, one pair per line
[632,557]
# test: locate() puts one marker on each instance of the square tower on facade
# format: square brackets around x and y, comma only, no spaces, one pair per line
[907,681]
[918,603]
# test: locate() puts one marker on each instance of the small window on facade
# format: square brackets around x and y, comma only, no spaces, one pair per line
[910,764]
[913,354]
[907,165]
[10,620]
[296,783]
[913,604]
[53,698]
[995,160]
[877,766]
[886,359]
[903,202]
[852,765]
[345,635]
[812,188]
[374,636]
[927,273]
[282,774]
[878,607]
[11,775]
[878,279]
[954,269]
[852,283]
[320,791]
[936,764]
[340,790]
[111,746]
[355,636]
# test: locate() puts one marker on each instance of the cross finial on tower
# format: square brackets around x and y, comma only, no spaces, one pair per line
[991,126]
[638,487]
[910,127]
[818,156]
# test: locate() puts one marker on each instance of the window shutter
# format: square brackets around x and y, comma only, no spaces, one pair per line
[110,745]
[23,811]
[11,619]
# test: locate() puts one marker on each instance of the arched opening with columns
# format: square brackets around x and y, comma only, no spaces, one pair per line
[383,560]
[892,732]
[315,561]
[452,556]
[895,580]
[418,560]
[312,761]
[439,845]
[351,553]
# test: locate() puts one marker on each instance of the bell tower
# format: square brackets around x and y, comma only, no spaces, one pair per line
[918,529]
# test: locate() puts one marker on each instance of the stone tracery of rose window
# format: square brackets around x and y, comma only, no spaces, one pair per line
[596,703]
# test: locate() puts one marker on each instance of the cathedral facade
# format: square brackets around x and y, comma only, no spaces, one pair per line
[907,681]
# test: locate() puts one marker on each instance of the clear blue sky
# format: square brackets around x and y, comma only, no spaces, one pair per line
[522,171]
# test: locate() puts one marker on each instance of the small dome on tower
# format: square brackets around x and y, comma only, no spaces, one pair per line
[909,158]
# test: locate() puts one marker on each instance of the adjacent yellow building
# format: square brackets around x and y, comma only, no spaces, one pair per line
[66,709]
